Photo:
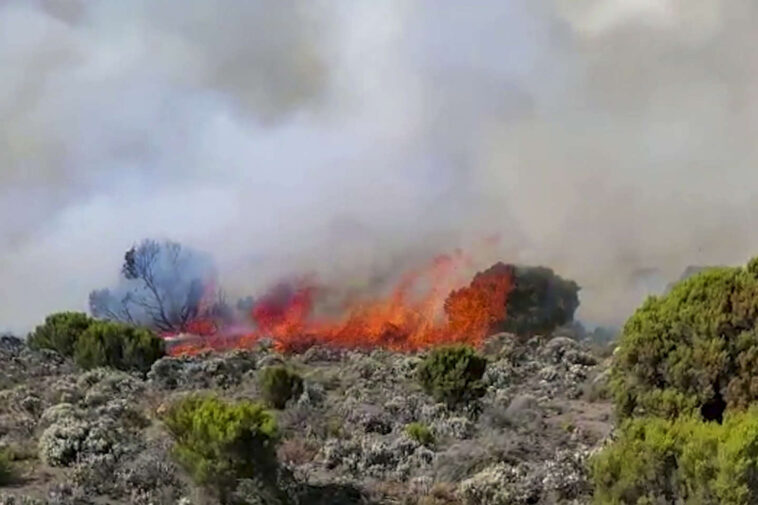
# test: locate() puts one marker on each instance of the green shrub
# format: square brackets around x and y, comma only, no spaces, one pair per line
[279,385]
[420,433]
[116,345]
[695,348]
[453,374]
[7,472]
[539,302]
[685,460]
[60,332]
[640,467]
[219,443]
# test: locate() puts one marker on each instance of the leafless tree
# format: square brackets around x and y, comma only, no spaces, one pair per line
[163,285]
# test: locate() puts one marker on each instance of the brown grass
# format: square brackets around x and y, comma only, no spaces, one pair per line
[297,451]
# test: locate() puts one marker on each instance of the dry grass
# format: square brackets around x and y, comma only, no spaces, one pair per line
[440,494]
[297,451]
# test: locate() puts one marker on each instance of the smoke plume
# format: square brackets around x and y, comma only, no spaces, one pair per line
[610,139]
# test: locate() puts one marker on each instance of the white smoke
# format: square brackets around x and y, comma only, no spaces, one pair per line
[608,139]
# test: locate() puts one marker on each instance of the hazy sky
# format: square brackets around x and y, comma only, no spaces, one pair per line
[613,140]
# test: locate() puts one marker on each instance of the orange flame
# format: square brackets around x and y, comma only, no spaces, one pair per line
[423,310]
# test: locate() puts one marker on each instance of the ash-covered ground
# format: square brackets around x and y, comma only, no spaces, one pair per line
[96,437]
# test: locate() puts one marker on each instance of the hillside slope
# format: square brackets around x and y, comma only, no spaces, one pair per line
[96,437]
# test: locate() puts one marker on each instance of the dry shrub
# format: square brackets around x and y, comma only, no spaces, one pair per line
[440,494]
[297,451]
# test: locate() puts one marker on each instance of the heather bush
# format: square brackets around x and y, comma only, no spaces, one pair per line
[116,345]
[220,443]
[420,433]
[694,349]
[60,332]
[686,460]
[73,439]
[279,385]
[453,374]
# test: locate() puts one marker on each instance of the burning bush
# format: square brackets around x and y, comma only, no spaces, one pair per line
[60,332]
[421,311]
[117,345]
[427,307]
[220,443]
[453,374]
[480,307]
[695,348]
[279,385]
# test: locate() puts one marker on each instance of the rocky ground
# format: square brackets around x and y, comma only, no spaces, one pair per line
[95,437]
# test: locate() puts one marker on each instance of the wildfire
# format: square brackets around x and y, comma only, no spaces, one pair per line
[424,309]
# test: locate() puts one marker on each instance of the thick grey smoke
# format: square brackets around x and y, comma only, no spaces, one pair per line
[610,139]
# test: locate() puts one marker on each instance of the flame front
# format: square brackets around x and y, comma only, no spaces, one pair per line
[423,310]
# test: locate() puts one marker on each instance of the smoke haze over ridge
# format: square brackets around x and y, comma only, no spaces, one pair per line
[604,138]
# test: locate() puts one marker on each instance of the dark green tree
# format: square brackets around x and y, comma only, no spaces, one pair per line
[539,302]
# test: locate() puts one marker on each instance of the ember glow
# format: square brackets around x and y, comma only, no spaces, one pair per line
[428,307]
